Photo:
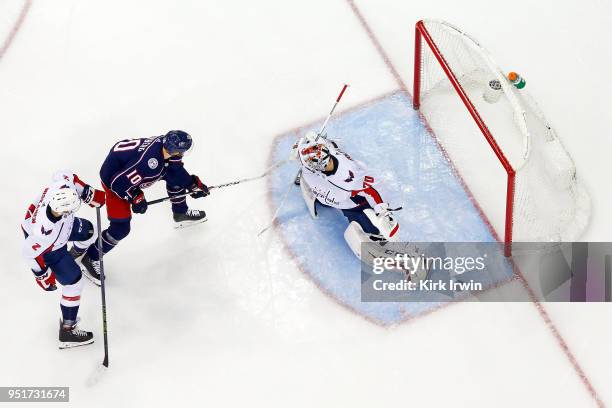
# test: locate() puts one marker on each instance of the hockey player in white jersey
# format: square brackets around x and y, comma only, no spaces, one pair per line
[332,178]
[48,226]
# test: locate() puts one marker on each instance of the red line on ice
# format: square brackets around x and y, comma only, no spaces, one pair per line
[18,23]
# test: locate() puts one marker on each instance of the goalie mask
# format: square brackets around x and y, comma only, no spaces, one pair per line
[315,156]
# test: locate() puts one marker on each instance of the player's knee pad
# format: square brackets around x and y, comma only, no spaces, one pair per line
[90,231]
[71,294]
[117,231]
[82,230]
[88,236]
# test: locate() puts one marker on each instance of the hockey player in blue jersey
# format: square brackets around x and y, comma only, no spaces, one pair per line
[133,165]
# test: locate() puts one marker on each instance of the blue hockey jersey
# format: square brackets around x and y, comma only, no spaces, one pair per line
[138,163]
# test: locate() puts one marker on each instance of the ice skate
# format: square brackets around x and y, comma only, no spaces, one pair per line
[91,269]
[191,217]
[70,336]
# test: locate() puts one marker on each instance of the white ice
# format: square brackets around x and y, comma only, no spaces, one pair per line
[213,316]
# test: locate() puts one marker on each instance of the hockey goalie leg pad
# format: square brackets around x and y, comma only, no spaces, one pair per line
[354,236]
[309,198]
[386,224]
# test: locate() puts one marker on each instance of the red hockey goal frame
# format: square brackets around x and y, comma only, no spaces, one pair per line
[421,34]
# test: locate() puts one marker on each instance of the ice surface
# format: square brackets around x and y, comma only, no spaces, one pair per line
[389,137]
[213,316]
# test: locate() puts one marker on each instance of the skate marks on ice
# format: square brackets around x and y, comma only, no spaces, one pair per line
[97,375]
[404,158]
[257,274]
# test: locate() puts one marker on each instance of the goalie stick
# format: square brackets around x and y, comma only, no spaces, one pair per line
[320,132]
[297,178]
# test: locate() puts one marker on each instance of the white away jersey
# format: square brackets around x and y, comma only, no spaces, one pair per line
[340,189]
[42,234]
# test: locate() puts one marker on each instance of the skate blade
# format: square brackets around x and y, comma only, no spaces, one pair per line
[72,344]
[185,224]
[86,274]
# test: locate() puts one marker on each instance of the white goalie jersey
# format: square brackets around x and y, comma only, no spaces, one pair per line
[343,187]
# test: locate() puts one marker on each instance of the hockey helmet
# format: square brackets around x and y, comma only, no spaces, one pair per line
[177,141]
[65,201]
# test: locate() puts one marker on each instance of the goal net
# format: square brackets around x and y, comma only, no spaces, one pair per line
[499,144]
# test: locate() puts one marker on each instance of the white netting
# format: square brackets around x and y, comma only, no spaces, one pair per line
[549,203]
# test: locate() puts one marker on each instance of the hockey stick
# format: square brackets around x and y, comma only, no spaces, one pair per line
[296,179]
[103,288]
[331,112]
[277,210]
[267,172]
[161,200]
[320,132]
[231,183]
[96,376]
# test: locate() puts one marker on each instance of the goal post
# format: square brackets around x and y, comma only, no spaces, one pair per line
[497,140]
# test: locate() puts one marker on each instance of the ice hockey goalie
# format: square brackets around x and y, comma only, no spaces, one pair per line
[330,177]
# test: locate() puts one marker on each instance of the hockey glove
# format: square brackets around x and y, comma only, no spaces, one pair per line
[139,203]
[381,208]
[199,189]
[93,197]
[45,279]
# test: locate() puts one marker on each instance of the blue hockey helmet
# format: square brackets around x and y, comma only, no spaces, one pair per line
[177,141]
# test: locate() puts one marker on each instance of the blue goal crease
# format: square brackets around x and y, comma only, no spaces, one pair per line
[390,138]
